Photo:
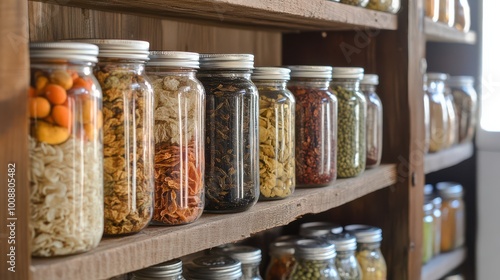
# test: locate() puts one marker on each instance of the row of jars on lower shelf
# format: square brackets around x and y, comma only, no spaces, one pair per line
[322,251]
[454,13]
[391,6]
[119,145]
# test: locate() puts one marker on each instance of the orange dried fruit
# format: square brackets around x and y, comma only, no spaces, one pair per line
[31,92]
[51,134]
[61,115]
[88,111]
[62,78]
[81,83]
[38,107]
[55,94]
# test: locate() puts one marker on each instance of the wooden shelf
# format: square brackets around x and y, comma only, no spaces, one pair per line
[115,256]
[443,264]
[448,157]
[275,14]
[440,32]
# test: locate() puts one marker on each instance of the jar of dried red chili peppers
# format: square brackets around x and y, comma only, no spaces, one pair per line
[315,125]
[179,137]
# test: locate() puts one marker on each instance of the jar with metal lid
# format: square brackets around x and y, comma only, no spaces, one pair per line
[436,215]
[359,3]
[380,5]
[213,267]
[315,261]
[179,129]
[128,135]
[319,229]
[368,254]
[249,257]
[282,260]
[277,132]
[427,118]
[432,9]
[351,121]
[462,15]
[452,216]
[65,149]
[438,111]
[452,136]
[374,120]
[232,133]
[447,12]
[171,270]
[465,100]
[346,263]
[315,125]
[428,232]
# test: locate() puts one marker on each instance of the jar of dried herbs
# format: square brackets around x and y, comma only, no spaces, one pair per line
[214,267]
[359,3]
[65,149]
[249,257]
[171,270]
[282,260]
[277,132]
[374,120]
[346,263]
[438,111]
[179,130]
[465,100]
[352,121]
[128,135]
[315,125]
[232,133]
[315,261]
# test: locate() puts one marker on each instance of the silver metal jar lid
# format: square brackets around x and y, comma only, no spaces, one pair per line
[458,81]
[318,229]
[166,269]
[436,76]
[370,79]
[64,50]
[214,267]
[245,254]
[309,71]
[282,247]
[116,48]
[174,59]
[313,249]
[293,238]
[271,73]
[343,242]
[226,61]
[347,73]
[365,233]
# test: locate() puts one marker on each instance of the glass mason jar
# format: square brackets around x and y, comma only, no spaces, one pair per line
[462,15]
[346,263]
[447,12]
[438,111]
[232,133]
[315,125]
[432,9]
[427,118]
[452,216]
[282,260]
[395,6]
[428,232]
[319,229]
[368,254]
[452,136]
[249,257]
[315,261]
[213,267]
[65,149]
[374,120]
[352,121]
[179,133]
[436,215]
[359,3]
[277,132]
[465,100]
[380,5]
[171,270]
[128,135]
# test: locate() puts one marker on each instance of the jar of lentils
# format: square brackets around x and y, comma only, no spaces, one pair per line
[315,261]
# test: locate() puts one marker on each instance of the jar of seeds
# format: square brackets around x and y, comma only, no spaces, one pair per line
[277,132]
[315,261]
[232,133]
[352,120]
[374,120]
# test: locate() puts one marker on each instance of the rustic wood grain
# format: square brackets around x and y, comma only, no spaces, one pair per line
[441,265]
[449,157]
[440,32]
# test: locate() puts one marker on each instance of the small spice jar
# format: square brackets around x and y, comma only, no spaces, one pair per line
[436,215]
[277,132]
[452,136]
[368,254]
[465,100]
[232,133]
[213,267]
[374,120]
[319,229]
[352,121]
[315,261]
[359,3]
[432,9]
[380,5]
[315,125]
[171,270]
[65,149]
[452,216]
[346,263]
[447,12]
[249,257]
[428,232]
[282,260]
[435,88]
[179,112]
[462,15]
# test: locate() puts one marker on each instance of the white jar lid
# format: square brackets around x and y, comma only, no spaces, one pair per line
[116,48]
[271,73]
[348,73]
[370,79]
[437,76]
[174,59]
[226,61]
[365,233]
[457,81]
[214,267]
[64,50]
[309,71]
[314,249]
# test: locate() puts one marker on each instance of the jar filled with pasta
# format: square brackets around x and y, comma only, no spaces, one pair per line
[171,270]
[462,15]
[452,216]
[438,111]
[432,9]
[65,149]
[447,12]
[315,261]
[282,260]
[465,100]
[179,130]
[346,263]
[374,120]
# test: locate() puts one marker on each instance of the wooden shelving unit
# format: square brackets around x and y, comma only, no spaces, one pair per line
[447,158]
[440,32]
[443,264]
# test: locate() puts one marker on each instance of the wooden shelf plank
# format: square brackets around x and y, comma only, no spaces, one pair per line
[442,264]
[276,14]
[448,157]
[115,256]
[440,32]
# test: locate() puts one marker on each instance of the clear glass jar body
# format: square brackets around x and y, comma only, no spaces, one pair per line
[395,6]
[374,131]
[432,9]
[438,114]
[447,12]
[128,145]
[315,132]
[359,3]
[465,99]
[436,215]
[280,266]
[250,271]
[232,141]
[428,236]
[314,270]
[462,15]
[351,127]
[452,136]
[277,139]
[65,150]
[347,266]
[427,123]
[179,133]
[452,224]
[371,261]
[380,5]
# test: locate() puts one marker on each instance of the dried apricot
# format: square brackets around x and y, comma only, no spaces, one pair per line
[61,115]
[62,78]
[39,107]
[55,94]
[81,83]
[51,134]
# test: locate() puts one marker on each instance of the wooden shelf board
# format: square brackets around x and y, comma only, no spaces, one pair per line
[447,158]
[276,14]
[440,32]
[442,264]
[115,256]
